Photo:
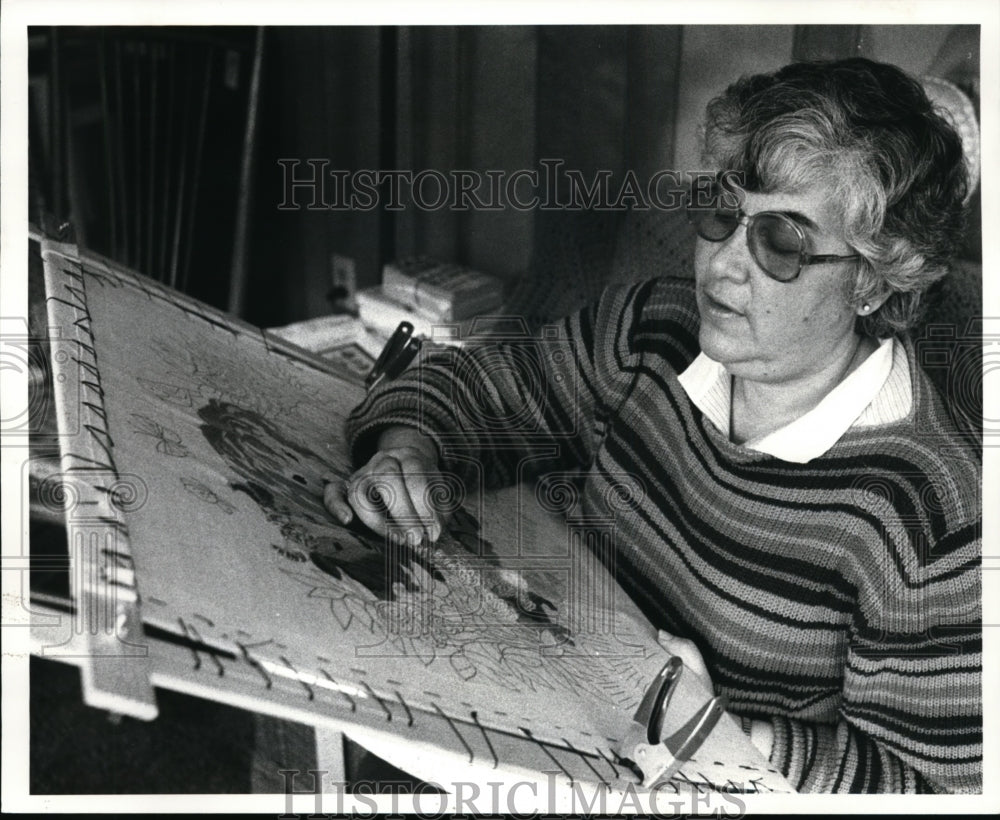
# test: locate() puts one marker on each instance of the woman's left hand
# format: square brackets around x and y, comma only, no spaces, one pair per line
[687,652]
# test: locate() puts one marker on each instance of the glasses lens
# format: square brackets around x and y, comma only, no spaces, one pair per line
[707,213]
[776,244]
[715,225]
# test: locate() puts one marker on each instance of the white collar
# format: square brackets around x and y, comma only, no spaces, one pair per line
[866,397]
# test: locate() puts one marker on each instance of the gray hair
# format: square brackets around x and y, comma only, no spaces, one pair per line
[868,131]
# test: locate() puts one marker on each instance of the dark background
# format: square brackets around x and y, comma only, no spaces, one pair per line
[154,142]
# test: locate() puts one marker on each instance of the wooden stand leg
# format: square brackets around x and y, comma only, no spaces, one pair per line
[330,758]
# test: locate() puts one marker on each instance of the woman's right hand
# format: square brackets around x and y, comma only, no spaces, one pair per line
[393,487]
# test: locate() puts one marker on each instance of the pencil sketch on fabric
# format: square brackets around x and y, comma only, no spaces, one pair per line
[232,431]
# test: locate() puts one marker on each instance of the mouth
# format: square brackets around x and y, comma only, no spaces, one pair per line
[718,307]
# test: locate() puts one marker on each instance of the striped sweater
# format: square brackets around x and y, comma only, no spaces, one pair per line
[839,599]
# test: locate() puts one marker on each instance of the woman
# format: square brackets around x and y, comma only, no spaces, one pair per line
[802,528]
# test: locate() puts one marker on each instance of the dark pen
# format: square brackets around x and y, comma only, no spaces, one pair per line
[398,352]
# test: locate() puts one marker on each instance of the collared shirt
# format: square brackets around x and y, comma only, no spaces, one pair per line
[876,392]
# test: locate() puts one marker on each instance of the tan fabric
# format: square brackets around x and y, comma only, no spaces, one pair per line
[224,436]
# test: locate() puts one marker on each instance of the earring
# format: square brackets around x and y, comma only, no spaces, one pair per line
[866,307]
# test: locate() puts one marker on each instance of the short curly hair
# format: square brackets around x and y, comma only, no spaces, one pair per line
[869,131]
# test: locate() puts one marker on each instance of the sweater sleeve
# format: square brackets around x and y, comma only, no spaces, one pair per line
[512,405]
[910,718]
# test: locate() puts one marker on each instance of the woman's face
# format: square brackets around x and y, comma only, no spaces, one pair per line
[769,331]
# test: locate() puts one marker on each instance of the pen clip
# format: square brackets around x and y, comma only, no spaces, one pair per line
[403,358]
[393,348]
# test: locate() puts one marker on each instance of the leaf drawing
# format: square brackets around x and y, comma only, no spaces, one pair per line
[171,446]
[204,493]
[171,393]
[145,425]
[168,441]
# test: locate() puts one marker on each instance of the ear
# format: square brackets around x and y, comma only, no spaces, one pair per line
[869,306]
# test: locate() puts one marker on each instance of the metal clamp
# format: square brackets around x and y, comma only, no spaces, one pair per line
[656,758]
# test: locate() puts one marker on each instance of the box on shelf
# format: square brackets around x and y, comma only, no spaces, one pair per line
[441,290]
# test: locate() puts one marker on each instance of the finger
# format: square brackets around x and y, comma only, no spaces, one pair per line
[685,650]
[406,478]
[367,506]
[418,487]
[335,499]
[665,639]
[382,493]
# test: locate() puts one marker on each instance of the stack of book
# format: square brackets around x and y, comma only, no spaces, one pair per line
[441,290]
[427,293]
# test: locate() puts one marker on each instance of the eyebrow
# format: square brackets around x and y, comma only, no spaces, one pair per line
[801,218]
[795,216]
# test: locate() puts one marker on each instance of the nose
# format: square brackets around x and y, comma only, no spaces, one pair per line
[731,258]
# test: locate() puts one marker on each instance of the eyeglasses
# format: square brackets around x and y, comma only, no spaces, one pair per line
[776,241]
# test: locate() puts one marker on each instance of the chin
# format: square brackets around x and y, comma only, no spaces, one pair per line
[735,355]
[721,347]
